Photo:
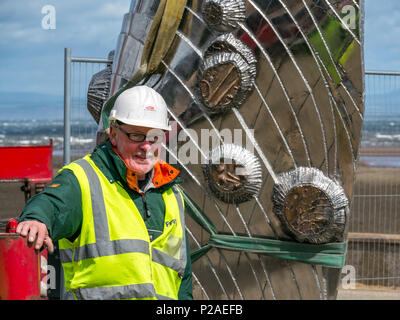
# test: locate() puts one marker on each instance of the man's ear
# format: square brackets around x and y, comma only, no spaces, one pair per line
[113,136]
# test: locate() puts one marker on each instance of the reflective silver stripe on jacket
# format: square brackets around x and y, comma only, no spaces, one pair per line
[96,195]
[183,253]
[105,247]
[66,255]
[142,290]
[93,250]
[164,259]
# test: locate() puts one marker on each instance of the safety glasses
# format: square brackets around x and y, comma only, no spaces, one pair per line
[140,137]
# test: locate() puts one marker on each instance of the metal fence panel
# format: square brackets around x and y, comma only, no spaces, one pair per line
[80,127]
[374,227]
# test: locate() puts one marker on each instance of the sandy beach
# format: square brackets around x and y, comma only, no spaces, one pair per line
[12,199]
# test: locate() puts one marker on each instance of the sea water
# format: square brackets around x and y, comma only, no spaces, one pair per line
[24,132]
[376,134]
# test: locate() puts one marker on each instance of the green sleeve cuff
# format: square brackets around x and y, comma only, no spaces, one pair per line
[59,206]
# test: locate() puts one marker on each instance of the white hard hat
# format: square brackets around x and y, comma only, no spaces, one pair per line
[141,106]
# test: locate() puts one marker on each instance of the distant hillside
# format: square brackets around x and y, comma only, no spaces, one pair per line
[28,105]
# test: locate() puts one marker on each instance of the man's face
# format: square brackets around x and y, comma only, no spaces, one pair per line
[138,156]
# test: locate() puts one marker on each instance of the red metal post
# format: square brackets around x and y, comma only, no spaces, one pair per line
[20,267]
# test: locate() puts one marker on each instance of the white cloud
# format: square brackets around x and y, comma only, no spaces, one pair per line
[114,10]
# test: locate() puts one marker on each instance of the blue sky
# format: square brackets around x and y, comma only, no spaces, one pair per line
[382,35]
[31,58]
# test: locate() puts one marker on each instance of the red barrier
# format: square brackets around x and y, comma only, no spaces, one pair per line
[19,269]
[23,271]
[32,163]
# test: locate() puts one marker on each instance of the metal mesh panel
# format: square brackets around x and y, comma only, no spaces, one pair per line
[374,227]
[83,126]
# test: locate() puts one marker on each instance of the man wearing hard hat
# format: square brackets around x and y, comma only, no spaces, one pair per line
[118,213]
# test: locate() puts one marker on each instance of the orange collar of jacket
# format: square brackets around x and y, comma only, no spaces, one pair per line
[163,174]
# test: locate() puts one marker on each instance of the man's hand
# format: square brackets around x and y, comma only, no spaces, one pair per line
[37,234]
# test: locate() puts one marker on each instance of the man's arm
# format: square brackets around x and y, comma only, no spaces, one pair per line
[186,288]
[53,214]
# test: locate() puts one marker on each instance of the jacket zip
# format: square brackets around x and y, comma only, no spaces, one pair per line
[146,210]
[147,214]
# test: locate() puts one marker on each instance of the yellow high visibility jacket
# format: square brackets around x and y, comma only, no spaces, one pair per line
[113,257]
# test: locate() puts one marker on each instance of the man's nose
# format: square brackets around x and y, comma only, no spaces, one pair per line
[145,145]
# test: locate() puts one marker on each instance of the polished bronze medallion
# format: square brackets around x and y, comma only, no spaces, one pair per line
[226,81]
[228,43]
[220,84]
[233,173]
[224,15]
[308,210]
[312,207]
